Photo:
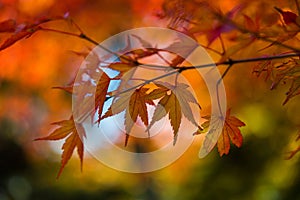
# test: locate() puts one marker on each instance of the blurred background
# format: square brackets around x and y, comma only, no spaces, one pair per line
[28,104]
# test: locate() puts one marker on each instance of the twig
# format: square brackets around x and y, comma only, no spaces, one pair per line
[85,37]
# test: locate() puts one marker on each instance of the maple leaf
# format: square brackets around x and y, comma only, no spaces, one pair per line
[250,24]
[23,30]
[87,104]
[264,66]
[121,66]
[134,104]
[282,73]
[294,90]
[288,16]
[101,91]
[185,97]
[222,27]
[18,36]
[291,27]
[168,105]
[70,131]
[285,71]
[230,132]
[175,101]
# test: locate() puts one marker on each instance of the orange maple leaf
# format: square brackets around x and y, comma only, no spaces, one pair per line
[8,25]
[134,104]
[101,91]
[230,131]
[68,130]
[169,104]
[21,31]
[175,102]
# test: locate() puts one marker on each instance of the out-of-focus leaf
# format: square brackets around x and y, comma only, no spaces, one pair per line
[18,36]
[294,90]
[291,154]
[243,43]
[288,16]
[216,32]
[8,26]
[284,72]
[264,66]
[250,24]
[121,67]
[23,30]
[287,72]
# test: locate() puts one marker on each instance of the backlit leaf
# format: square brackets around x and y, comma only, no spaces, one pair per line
[168,105]
[101,91]
[18,36]
[175,101]
[68,130]
[288,16]
[135,105]
[8,25]
[230,132]
[23,30]
[121,67]
[184,96]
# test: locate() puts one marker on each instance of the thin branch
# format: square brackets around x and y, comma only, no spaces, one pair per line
[85,37]
[228,62]
[59,31]
[183,68]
